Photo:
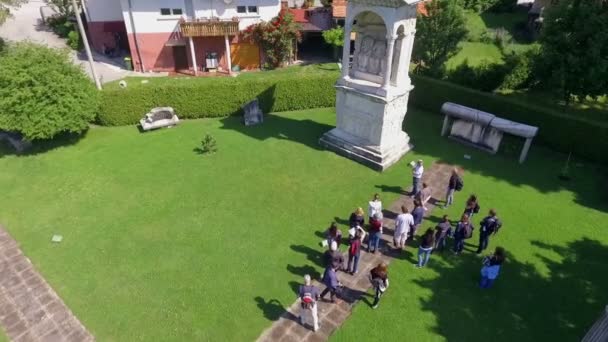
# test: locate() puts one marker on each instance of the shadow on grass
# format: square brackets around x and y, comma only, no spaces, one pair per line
[313,255]
[42,146]
[273,309]
[566,300]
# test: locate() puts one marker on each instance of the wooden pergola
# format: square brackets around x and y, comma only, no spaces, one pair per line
[210,28]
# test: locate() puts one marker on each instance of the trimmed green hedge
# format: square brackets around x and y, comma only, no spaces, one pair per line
[562,132]
[222,97]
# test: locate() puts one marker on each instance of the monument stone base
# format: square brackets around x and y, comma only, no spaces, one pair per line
[359,150]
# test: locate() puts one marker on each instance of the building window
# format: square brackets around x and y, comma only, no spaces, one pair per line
[247,9]
[171,11]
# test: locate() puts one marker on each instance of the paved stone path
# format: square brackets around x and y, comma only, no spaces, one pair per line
[30,310]
[331,316]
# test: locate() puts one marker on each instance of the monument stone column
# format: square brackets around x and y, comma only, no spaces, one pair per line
[372,94]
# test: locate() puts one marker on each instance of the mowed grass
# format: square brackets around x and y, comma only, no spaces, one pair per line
[475,53]
[163,244]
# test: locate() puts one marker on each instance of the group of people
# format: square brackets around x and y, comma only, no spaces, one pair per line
[406,225]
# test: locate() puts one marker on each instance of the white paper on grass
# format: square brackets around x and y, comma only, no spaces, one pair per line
[466,156]
[56,238]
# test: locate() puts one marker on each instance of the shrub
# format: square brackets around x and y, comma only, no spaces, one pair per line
[484,77]
[520,72]
[74,40]
[276,37]
[557,130]
[199,98]
[42,93]
[208,145]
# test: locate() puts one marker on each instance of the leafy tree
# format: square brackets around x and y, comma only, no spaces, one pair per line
[42,93]
[276,37]
[62,7]
[438,34]
[5,12]
[574,49]
[335,38]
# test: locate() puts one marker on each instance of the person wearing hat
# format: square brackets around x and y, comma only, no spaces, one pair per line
[417,171]
[357,218]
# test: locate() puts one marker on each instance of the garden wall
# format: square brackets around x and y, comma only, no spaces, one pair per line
[217,97]
[560,131]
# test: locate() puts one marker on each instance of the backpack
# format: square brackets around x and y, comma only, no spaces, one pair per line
[459,184]
[468,231]
[307,300]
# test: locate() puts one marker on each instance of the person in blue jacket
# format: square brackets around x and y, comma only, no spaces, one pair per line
[491,268]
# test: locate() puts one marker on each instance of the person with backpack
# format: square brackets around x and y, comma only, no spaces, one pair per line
[375,233]
[455,184]
[418,214]
[463,231]
[472,206]
[330,279]
[488,226]
[354,250]
[379,279]
[333,257]
[442,231]
[403,223]
[427,241]
[491,268]
[309,295]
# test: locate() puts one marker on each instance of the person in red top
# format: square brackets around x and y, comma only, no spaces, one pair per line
[375,233]
[354,251]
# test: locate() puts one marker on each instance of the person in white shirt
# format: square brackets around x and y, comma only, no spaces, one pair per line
[403,224]
[375,206]
[417,171]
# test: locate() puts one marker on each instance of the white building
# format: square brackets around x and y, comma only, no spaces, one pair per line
[178,35]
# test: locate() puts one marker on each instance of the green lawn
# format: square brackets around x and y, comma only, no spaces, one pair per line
[475,53]
[163,244]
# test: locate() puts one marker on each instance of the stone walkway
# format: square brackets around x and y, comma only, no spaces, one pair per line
[331,316]
[30,310]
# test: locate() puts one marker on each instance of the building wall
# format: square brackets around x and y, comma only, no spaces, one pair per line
[267,9]
[104,23]
[103,10]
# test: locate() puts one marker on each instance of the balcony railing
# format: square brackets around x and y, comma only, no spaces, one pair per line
[209,28]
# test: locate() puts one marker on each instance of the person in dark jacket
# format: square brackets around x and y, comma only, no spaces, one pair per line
[472,206]
[488,226]
[427,241]
[330,279]
[357,218]
[379,279]
[418,214]
[333,257]
[461,232]
[449,196]
[442,231]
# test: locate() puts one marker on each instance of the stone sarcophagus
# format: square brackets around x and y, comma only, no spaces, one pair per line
[372,94]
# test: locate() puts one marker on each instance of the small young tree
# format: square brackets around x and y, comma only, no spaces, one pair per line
[42,93]
[5,5]
[276,37]
[335,38]
[438,34]
[574,49]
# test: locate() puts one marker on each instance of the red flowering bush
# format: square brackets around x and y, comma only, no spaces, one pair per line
[276,37]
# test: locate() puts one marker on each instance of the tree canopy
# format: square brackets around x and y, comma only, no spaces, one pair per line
[42,93]
[438,33]
[574,49]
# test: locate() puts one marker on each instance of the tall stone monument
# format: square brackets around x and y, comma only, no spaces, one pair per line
[372,93]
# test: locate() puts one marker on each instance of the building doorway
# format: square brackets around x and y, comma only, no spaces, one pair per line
[180,58]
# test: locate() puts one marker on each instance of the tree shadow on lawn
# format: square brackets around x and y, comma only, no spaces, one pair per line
[540,170]
[523,305]
[42,146]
